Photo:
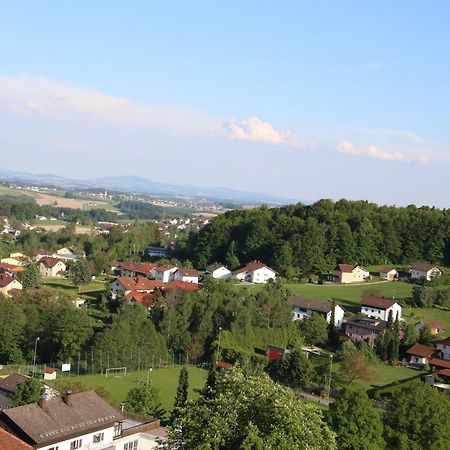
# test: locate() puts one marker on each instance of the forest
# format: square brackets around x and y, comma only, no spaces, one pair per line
[297,239]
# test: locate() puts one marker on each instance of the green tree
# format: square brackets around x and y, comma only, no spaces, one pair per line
[79,273]
[26,393]
[30,277]
[314,329]
[297,368]
[355,367]
[249,413]
[12,323]
[144,400]
[418,417]
[230,258]
[356,422]
[182,393]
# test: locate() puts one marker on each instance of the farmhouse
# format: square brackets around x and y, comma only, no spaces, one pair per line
[350,273]
[420,355]
[218,271]
[9,284]
[124,285]
[380,308]
[79,421]
[165,273]
[434,326]
[255,272]
[362,328]
[186,275]
[304,307]
[424,271]
[51,267]
[389,273]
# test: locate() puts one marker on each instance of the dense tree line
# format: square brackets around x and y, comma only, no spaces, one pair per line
[140,210]
[299,238]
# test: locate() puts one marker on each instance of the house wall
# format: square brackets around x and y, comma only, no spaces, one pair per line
[167,276]
[222,273]
[418,360]
[145,441]
[5,400]
[356,333]
[445,351]
[52,271]
[187,279]
[358,275]
[263,275]
[15,284]
[383,314]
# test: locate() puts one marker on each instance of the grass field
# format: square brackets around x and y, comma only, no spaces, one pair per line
[166,380]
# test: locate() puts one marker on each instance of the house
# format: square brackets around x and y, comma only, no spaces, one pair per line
[165,273]
[389,273]
[66,254]
[186,275]
[420,354]
[443,348]
[156,252]
[218,271]
[304,307]
[350,273]
[41,253]
[11,269]
[9,284]
[255,272]
[10,442]
[49,373]
[12,261]
[424,271]
[145,299]
[275,353]
[124,285]
[434,326]
[129,269]
[362,328]
[51,267]
[377,307]
[8,387]
[80,421]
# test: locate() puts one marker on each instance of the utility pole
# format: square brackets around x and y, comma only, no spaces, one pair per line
[35,353]
[329,378]
[218,346]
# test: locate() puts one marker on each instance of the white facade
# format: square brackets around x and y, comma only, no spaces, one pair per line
[221,273]
[257,276]
[417,274]
[48,272]
[418,360]
[301,313]
[383,314]
[389,275]
[166,276]
[444,348]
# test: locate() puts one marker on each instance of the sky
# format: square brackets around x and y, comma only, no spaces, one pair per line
[298,99]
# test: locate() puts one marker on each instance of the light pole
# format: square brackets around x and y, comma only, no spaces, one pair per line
[218,346]
[329,378]
[35,352]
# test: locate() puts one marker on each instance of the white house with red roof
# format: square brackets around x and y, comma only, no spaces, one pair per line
[379,308]
[434,326]
[420,354]
[255,272]
[218,271]
[9,284]
[51,267]
[443,348]
[389,273]
[125,285]
[130,269]
[165,273]
[350,273]
[423,271]
[187,275]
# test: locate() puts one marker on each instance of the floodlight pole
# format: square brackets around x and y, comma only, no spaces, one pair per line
[218,346]
[35,352]
[329,378]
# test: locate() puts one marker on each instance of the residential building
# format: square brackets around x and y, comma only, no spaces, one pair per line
[49,373]
[350,273]
[443,348]
[52,267]
[11,269]
[389,273]
[145,299]
[186,275]
[13,261]
[218,271]
[420,354]
[362,328]
[255,272]
[424,271]
[304,307]
[434,326]
[8,387]
[130,269]
[377,307]
[9,285]
[10,442]
[124,285]
[165,273]
[66,254]
[81,421]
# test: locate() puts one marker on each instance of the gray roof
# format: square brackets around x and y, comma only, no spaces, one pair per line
[56,420]
[322,306]
[367,323]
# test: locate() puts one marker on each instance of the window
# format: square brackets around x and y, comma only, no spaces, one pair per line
[118,429]
[53,448]
[98,438]
[132,445]
[76,444]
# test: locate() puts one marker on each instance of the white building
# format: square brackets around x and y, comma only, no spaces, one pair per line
[444,348]
[380,308]
[350,273]
[389,273]
[82,421]
[420,355]
[424,271]
[255,272]
[51,267]
[304,308]
[218,271]
[186,275]
[165,273]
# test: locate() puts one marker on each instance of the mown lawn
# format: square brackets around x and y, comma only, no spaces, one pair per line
[165,379]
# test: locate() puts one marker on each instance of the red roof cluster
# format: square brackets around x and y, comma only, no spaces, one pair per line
[136,267]
[139,283]
[185,272]
[145,299]
[193,287]
[378,302]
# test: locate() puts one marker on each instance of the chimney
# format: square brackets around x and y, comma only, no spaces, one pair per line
[42,402]
[67,397]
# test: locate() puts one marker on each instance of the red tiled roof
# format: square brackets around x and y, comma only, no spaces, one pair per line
[136,267]
[183,285]
[49,370]
[5,280]
[250,267]
[378,302]
[185,272]
[424,351]
[11,267]
[387,269]
[346,268]
[437,362]
[49,262]
[444,372]
[164,268]
[139,283]
[433,324]
[223,365]
[145,299]
[423,267]
[10,442]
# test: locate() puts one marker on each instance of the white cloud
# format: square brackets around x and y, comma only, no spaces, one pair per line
[256,130]
[375,152]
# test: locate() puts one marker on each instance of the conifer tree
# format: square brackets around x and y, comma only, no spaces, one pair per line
[182,393]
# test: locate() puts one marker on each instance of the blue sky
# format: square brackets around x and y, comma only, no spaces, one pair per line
[298,99]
